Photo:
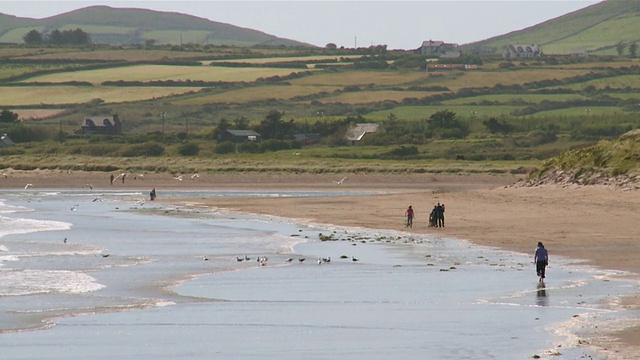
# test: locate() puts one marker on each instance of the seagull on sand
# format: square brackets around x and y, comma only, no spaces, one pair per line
[105,255]
[65,240]
[74,207]
[205,258]
[353,258]
[289,260]
[301,259]
[239,259]
[28,186]
[246,258]
[341,181]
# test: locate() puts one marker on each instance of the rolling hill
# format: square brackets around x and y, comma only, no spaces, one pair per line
[116,26]
[597,29]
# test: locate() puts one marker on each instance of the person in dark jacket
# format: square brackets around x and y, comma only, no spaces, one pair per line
[541,258]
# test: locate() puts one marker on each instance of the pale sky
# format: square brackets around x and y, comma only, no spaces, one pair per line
[397,24]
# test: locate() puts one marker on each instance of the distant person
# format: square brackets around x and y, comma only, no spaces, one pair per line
[433,222]
[152,194]
[409,214]
[541,258]
[439,215]
[123,176]
[111,178]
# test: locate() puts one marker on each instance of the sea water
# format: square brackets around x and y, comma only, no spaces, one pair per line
[104,275]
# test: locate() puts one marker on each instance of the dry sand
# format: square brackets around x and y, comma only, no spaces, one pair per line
[599,226]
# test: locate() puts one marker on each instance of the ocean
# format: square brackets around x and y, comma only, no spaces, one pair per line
[88,274]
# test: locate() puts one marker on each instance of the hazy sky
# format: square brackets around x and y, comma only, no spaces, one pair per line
[397,24]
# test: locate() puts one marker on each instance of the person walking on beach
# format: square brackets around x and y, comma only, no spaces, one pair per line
[541,258]
[152,194]
[409,213]
[111,178]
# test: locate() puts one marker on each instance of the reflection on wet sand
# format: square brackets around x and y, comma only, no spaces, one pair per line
[542,299]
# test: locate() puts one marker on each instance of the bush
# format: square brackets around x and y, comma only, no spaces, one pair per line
[274,145]
[249,147]
[145,149]
[189,149]
[403,152]
[225,147]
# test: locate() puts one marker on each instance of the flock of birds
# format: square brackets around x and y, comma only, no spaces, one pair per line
[262,260]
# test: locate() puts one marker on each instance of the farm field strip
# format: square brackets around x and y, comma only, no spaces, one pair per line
[310,59]
[364,97]
[255,94]
[480,79]
[423,112]
[614,82]
[54,95]
[581,111]
[361,78]
[505,98]
[163,73]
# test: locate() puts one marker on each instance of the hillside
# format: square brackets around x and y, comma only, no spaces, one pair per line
[608,162]
[597,28]
[116,26]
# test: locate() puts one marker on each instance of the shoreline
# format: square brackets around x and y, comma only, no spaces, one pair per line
[596,225]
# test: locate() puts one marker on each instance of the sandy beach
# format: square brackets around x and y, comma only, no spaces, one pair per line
[597,226]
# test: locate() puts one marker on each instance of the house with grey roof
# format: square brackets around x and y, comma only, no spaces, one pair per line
[357,132]
[5,141]
[437,48]
[527,51]
[239,136]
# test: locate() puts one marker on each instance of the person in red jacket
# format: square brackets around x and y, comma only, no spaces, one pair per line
[409,214]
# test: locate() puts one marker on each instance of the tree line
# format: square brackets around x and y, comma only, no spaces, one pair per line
[57,37]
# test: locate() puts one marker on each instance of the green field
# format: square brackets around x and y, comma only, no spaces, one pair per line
[147,73]
[507,98]
[254,94]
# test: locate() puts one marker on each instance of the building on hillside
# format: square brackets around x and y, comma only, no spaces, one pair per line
[437,48]
[579,53]
[357,132]
[5,141]
[239,136]
[528,51]
[100,125]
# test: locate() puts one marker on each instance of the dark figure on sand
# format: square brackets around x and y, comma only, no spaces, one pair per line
[409,213]
[440,215]
[433,218]
[152,194]
[541,258]
[111,178]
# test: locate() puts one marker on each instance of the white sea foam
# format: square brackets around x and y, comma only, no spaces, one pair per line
[16,282]
[9,209]
[11,226]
